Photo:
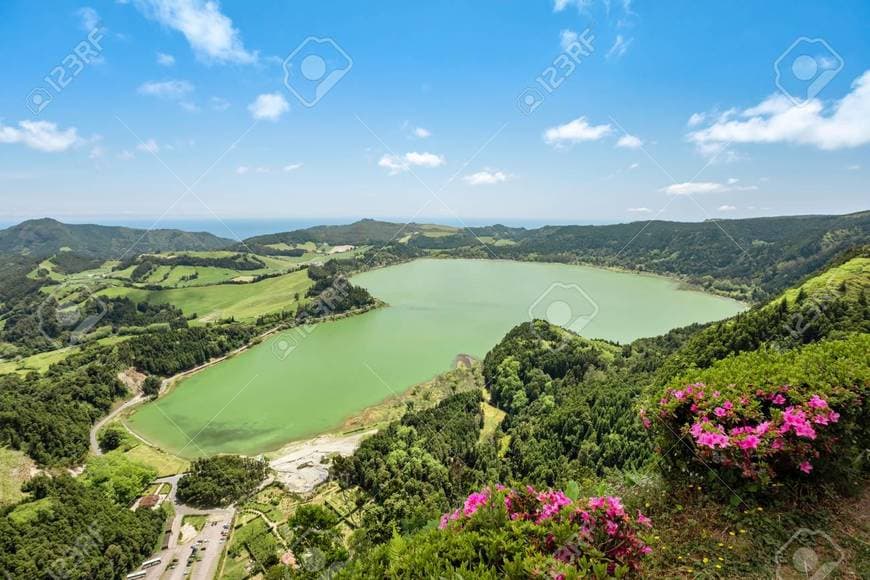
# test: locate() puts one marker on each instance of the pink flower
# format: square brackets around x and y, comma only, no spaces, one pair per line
[643,520]
[611,528]
[616,509]
[474,501]
[720,412]
[750,442]
[762,428]
[713,440]
[806,467]
[727,405]
[817,402]
[778,399]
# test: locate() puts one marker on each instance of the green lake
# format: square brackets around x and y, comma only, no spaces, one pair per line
[296,384]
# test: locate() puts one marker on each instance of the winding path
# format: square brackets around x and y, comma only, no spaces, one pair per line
[95,444]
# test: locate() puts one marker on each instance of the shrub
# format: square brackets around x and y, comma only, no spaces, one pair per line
[596,535]
[791,415]
[516,533]
[764,436]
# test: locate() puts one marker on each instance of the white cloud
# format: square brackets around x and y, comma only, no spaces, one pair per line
[575,131]
[89,19]
[40,135]
[189,106]
[218,104]
[639,210]
[619,48]
[125,155]
[166,89]
[692,187]
[696,119]
[399,163]
[242,169]
[732,180]
[855,167]
[567,38]
[726,208]
[210,33]
[633,166]
[269,106]
[424,159]
[486,177]
[778,120]
[164,59]
[149,146]
[422,133]
[629,142]
[291,167]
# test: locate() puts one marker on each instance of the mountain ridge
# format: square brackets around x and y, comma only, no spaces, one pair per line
[44,237]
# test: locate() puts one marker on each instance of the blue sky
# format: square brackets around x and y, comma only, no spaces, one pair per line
[179,108]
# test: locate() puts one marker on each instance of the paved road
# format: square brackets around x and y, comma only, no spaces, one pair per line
[95,445]
[205,569]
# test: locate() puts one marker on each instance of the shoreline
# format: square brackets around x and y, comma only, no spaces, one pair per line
[175,381]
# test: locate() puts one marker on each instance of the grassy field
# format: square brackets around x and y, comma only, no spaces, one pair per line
[196,520]
[15,469]
[856,271]
[30,510]
[241,301]
[164,463]
[40,362]
[492,418]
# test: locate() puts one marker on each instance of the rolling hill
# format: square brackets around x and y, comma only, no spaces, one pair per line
[45,237]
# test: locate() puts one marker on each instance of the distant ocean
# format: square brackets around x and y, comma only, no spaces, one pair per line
[239,229]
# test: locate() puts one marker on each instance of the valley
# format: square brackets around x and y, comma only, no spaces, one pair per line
[342,383]
[269,395]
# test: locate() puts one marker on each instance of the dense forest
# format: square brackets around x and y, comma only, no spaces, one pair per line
[69,529]
[221,480]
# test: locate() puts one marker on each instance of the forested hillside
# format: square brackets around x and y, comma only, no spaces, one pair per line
[755,425]
[45,237]
[751,259]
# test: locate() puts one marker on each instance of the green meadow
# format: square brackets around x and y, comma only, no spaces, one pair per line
[240,301]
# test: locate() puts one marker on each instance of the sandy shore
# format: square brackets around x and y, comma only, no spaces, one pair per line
[303,465]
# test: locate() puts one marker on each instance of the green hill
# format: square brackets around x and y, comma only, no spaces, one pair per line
[574,422]
[45,237]
[751,259]
[360,233]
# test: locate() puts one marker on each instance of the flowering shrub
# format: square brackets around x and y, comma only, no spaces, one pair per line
[597,535]
[762,436]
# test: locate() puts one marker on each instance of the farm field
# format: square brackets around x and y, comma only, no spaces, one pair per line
[240,301]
